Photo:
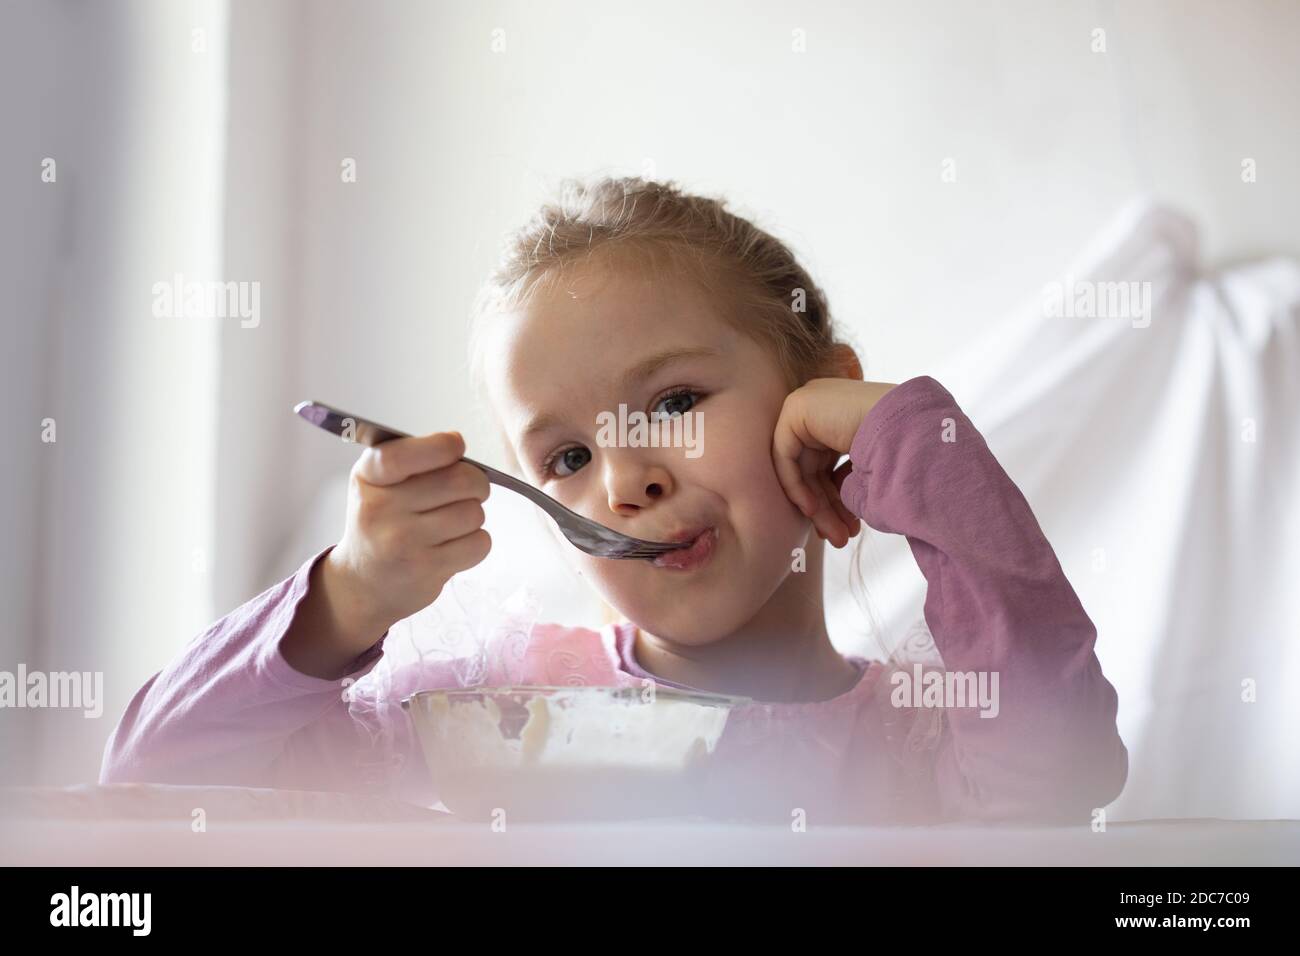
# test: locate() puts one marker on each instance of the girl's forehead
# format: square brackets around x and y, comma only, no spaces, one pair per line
[561,352]
[595,324]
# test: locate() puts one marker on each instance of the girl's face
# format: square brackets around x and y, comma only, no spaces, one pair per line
[607,338]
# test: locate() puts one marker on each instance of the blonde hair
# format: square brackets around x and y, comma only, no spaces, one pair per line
[655,228]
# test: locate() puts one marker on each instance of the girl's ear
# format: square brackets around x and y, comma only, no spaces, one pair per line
[844,363]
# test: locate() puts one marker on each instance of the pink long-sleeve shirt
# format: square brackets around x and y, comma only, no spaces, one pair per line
[231,710]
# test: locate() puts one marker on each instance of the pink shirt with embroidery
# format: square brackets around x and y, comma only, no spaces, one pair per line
[231,710]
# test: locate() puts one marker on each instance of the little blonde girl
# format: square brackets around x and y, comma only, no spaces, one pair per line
[625,291]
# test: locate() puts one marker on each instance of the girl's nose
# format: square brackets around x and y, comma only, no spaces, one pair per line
[633,485]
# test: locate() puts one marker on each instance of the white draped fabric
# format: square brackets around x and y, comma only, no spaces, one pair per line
[1161,454]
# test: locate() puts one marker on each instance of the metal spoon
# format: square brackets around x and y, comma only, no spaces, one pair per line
[585,534]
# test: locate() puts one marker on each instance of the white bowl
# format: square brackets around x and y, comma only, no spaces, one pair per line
[538,752]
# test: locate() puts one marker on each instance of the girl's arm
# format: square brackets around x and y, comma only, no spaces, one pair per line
[997,601]
[230,709]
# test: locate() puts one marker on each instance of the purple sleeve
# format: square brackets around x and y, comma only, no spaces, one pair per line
[231,710]
[998,601]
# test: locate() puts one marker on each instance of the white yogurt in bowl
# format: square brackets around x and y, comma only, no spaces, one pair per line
[538,752]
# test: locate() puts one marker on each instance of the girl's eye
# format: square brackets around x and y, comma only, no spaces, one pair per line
[566,458]
[681,394]
[576,456]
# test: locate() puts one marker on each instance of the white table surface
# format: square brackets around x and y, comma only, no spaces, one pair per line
[144,825]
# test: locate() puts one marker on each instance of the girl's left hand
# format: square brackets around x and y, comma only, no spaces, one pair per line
[816,426]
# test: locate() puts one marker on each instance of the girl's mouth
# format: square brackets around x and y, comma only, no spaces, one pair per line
[692,558]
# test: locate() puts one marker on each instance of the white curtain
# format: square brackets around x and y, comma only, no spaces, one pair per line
[1162,461]
[112,525]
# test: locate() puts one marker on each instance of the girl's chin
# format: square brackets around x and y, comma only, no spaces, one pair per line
[693,621]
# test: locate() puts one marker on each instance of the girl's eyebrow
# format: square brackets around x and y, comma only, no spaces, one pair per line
[653,363]
[632,376]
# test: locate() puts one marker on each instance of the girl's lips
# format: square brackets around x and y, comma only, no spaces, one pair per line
[696,556]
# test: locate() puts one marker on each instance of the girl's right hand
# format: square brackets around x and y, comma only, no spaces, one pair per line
[415,519]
